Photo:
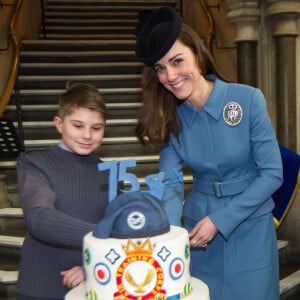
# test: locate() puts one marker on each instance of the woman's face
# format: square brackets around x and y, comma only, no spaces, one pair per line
[178,72]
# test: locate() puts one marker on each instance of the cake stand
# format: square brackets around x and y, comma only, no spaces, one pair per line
[200,291]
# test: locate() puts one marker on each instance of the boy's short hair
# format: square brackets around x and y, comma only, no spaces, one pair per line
[81,95]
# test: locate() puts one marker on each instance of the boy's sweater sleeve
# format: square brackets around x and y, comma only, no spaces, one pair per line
[57,228]
[43,221]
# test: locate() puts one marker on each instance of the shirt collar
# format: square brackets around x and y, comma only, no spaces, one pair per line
[63,146]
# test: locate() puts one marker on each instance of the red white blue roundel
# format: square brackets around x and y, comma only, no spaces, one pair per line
[176,268]
[102,273]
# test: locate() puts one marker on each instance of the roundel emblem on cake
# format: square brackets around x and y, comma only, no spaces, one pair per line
[102,273]
[147,282]
[176,268]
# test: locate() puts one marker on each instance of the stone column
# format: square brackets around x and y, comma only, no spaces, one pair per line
[284,14]
[246,18]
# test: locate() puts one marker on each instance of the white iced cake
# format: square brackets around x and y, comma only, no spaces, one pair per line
[157,267]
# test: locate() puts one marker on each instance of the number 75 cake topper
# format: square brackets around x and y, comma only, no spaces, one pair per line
[154,182]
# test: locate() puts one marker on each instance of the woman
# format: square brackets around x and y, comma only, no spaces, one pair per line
[223,133]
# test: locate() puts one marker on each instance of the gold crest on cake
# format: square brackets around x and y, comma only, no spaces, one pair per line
[150,280]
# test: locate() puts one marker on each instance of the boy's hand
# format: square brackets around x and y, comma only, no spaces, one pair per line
[73,276]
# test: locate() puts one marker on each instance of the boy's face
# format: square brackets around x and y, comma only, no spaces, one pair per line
[82,131]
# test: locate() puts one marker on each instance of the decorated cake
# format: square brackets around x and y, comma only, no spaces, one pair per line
[144,268]
[134,254]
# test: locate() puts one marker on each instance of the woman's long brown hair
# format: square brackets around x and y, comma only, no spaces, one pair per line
[158,118]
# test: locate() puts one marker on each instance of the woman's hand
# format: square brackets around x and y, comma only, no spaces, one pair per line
[72,277]
[203,232]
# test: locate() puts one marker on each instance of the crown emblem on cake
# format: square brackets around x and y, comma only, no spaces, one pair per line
[138,248]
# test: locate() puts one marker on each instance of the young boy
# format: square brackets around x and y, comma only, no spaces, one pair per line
[63,196]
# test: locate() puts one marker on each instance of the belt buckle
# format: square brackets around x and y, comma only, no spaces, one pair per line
[217,189]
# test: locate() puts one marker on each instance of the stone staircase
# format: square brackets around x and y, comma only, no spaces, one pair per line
[82,41]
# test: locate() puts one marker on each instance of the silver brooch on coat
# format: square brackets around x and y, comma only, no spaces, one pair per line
[232,113]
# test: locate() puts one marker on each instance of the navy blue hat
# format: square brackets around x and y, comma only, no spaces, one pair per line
[156,32]
[132,215]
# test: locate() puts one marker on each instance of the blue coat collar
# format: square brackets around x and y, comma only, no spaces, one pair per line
[213,106]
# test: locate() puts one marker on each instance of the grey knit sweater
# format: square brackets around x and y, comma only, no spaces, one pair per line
[63,196]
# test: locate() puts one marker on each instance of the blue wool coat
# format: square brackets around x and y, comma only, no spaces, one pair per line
[231,147]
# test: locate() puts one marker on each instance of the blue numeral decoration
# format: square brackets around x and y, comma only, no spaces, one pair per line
[155,184]
[124,176]
[112,185]
[153,181]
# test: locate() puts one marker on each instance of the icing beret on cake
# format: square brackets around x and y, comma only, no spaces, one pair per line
[156,32]
[132,215]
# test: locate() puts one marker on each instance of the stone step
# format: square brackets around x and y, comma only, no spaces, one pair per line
[282,245]
[50,96]
[119,15]
[112,4]
[107,7]
[78,45]
[119,114]
[290,286]
[47,124]
[87,36]
[8,277]
[78,56]
[82,30]
[108,141]
[83,68]
[90,21]
[60,81]
[10,250]
[8,280]
[12,221]
[11,213]
[110,106]
[37,129]
[11,241]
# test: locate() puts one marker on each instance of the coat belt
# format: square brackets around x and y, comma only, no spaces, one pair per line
[224,188]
